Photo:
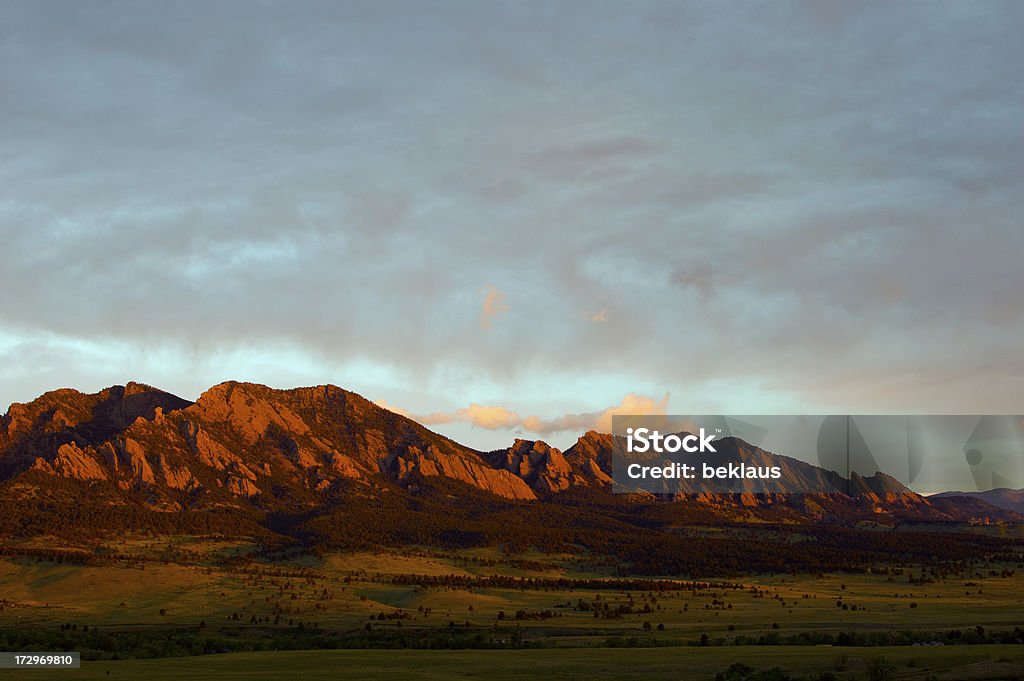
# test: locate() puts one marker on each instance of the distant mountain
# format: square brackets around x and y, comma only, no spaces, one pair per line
[1008,499]
[247,446]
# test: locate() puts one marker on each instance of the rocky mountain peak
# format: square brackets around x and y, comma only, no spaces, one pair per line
[246,443]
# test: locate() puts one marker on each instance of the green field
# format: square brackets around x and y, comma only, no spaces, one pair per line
[183,598]
[941,664]
[345,590]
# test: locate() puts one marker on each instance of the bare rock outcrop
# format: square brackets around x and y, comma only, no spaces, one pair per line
[72,462]
[543,467]
[431,461]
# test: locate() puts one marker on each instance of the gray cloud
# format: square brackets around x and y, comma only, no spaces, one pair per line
[802,205]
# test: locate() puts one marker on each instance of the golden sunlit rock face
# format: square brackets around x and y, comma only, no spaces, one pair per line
[244,444]
[237,441]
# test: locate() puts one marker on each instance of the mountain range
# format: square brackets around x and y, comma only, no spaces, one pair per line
[1009,499]
[244,445]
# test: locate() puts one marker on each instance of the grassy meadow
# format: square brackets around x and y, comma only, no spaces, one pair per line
[937,664]
[185,598]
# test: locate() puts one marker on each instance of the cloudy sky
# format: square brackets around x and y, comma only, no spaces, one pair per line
[511,218]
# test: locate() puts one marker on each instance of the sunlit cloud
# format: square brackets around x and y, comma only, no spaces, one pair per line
[601,421]
[494,305]
[494,417]
[396,410]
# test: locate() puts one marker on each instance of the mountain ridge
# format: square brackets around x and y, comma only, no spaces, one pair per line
[247,444]
[1001,497]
